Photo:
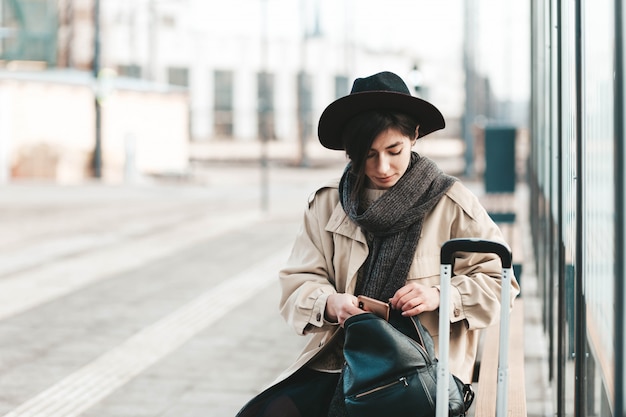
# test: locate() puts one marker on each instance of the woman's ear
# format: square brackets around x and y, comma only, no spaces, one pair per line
[417,133]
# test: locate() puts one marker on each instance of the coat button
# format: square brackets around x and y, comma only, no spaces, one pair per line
[457,312]
[319,316]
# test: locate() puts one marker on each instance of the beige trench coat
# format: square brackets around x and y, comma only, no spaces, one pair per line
[330,249]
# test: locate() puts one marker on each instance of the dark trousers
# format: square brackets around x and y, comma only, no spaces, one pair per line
[307,393]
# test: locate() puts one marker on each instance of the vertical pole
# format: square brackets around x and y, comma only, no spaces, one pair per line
[443,371]
[470,80]
[580,366]
[97,152]
[559,246]
[502,390]
[263,107]
[620,206]
[304,88]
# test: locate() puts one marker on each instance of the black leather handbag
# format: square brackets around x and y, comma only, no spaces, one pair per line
[391,369]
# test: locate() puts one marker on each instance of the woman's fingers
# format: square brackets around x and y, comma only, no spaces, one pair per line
[413,299]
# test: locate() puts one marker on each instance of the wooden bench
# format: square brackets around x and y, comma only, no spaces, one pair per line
[486,388]
[501,208]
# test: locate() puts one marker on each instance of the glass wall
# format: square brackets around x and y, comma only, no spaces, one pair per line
[577,204]
[598,199]
[568,197]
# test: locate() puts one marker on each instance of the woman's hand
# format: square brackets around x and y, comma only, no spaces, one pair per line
[414,298]
[339,307]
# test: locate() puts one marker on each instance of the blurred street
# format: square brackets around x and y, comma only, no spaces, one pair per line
[153,299]
[147,300]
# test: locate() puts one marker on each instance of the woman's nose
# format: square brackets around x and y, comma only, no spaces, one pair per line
[383,164]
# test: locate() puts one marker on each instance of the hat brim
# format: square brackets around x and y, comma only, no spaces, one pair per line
[338,113]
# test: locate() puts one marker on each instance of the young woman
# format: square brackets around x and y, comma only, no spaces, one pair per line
[378,232]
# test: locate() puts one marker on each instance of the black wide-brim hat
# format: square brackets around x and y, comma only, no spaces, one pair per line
[382,91]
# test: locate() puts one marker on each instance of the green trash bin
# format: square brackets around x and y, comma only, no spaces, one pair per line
[500,159]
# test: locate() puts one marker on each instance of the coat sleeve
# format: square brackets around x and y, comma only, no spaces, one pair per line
[308,276]
[477,279]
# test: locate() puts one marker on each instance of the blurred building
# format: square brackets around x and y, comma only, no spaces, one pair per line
[251,69]
[254,68]
[55,103]
[47,124]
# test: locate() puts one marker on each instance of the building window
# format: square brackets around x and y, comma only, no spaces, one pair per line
[132,71]
[178,76]
[265,100]
[305,104]
[28,31]
[223,104]
[342,86]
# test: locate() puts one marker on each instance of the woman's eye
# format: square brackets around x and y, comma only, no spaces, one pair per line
[396,153]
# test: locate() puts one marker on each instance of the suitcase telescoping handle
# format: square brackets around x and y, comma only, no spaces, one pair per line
[448,250]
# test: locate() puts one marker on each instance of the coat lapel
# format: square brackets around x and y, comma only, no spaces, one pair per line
[356,249]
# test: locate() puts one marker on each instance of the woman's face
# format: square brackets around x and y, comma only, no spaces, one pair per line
[388,159]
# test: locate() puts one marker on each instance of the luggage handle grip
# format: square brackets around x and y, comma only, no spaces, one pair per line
[449,248]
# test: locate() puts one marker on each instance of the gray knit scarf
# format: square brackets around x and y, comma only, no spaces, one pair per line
[394,224]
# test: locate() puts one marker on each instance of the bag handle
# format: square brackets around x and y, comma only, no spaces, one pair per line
[448,249]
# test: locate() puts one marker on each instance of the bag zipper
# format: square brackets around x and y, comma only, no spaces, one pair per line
[402,380]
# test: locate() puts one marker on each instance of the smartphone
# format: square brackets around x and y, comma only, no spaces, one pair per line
[374,306]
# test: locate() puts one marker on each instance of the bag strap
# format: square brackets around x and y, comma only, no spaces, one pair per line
[412,327]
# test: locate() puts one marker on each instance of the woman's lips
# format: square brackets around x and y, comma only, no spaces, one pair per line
[386,179]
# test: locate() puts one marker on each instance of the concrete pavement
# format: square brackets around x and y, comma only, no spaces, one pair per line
[157,299]
[150,300]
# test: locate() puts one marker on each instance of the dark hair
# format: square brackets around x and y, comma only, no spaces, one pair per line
[360,132]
